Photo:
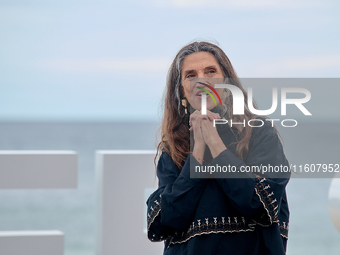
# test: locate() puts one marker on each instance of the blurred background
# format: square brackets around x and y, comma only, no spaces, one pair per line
[88,75]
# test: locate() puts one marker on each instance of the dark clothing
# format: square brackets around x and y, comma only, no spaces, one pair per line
[223,215]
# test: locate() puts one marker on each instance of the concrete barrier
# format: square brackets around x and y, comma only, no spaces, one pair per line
[31,242]
[122,177]
[38,169]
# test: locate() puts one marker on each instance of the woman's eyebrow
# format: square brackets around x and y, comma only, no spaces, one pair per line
[188,71]
[210,67]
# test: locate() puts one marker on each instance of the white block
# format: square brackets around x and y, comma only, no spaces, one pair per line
[122,177]
[32,242]
[38,169]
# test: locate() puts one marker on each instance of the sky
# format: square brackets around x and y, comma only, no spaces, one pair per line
[108,60]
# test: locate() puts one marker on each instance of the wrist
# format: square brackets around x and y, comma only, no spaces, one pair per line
[216,147]
[214,141]
[198,152]
[200,144]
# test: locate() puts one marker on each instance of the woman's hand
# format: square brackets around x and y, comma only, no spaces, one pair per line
[195,121]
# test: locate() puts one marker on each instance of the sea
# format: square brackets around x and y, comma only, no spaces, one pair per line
[312,229]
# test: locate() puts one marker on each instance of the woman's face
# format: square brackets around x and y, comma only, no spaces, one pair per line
[201,67]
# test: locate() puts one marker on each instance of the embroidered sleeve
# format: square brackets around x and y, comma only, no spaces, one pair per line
[257,196]
[153,210]
[269,201]
[156,232]
[172,206]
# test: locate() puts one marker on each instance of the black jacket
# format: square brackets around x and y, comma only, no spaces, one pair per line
[223,215]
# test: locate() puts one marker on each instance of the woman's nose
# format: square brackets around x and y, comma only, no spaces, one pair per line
[201,75]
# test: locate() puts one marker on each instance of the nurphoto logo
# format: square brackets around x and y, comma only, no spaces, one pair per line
[238,104]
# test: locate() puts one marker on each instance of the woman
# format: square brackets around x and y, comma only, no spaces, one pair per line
[244,215]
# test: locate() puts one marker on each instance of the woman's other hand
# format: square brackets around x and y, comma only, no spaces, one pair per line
[195,122]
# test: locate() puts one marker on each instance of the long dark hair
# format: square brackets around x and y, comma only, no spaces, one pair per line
[175,136]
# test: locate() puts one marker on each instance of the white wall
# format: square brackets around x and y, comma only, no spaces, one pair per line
[32,242]
[38,169]
[121,180]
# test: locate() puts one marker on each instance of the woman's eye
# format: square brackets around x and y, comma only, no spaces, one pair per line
[190,75]
[212,71]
